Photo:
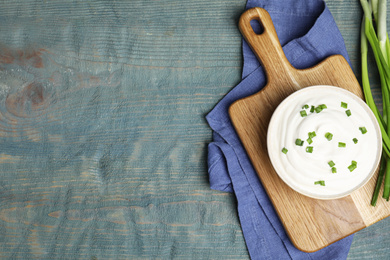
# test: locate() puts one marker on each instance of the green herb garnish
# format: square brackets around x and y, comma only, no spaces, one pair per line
[284,150]
[331,163]
[344,105]
[341,144]
[352,167]
[322,183]
[348,112]
[363,130]
[309,149]
[312,134]
[299,142]
[303,113]
[329,136]
[318,109]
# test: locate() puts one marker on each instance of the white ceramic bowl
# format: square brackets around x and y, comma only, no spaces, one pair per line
[310,171]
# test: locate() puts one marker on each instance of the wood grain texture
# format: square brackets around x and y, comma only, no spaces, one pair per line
[104,154]
[102,128]
[311,224]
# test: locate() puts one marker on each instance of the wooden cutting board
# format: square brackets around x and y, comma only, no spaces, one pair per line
[311,224]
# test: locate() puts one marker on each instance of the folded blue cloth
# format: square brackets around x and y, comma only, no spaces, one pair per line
[308,34]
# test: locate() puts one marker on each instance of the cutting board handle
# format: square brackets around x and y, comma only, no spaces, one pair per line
[266,45]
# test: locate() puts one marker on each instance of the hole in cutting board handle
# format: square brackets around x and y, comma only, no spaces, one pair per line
[257,27]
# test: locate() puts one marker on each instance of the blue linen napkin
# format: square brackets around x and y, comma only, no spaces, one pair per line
[308,34]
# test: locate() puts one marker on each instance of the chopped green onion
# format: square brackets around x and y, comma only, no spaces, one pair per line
[348,112]
[312,134]
[331,163]
[318,109]
[344,105]
[309,149]
[341,144]
[355,140]
[309,140]
[299,142]
[334,170]
[329,136]
[363,129]
[322,183]
[284,150]
[312,109]
[352,167]
[306,106]
[303,113]
[323,106]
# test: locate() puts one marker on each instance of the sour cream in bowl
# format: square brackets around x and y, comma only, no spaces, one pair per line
[324,142]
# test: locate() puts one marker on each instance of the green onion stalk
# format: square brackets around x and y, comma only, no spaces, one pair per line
[379,42]
[384,45]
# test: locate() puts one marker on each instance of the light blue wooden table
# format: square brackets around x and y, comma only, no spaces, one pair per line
[102,129]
